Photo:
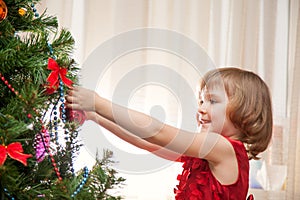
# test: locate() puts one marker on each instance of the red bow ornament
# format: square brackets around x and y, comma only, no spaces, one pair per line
[57,72]
[15,151]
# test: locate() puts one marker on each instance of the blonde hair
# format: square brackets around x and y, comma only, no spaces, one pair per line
[249,107]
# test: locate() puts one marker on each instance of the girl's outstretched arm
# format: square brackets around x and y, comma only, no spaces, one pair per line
[210,146]
[132,139]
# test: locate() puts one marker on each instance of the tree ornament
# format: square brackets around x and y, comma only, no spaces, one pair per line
[42,144]
[11,88]
[82,182]
[58,73]
[77,116]
[22,11]
[55,167]
[15,151]
[8,194]
[3,10]
[36,14]
[55,123]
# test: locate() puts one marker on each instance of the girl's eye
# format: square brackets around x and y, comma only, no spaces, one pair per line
[212,101]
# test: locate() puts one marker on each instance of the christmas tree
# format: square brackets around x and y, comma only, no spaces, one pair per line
[38,135]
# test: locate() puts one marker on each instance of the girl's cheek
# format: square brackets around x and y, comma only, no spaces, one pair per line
[217,128]
[198,118]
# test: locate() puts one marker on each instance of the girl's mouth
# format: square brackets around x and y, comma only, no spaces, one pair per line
[204,121]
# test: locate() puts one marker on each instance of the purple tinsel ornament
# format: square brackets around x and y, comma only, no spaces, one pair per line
[42,143]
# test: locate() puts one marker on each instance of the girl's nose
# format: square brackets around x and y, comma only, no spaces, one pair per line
[201,111]
[202,108]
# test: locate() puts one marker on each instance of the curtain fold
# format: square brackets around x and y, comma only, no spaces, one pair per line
[293,181]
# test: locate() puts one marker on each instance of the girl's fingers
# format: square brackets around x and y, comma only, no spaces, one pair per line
[71,87]
[72,105]
[69,92]
[69,98]
[77,88]
[74,92]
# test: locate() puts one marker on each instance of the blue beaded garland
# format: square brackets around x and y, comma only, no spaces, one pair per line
[55,110]
[55,123]
[82,182]
[61,99]
[36,14]
[8,194]
[50,49]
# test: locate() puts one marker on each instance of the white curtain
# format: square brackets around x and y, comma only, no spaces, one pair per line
[263,36]
[293,181]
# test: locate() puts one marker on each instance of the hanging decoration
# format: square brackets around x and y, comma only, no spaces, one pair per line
[56,80]
[36,14]
[3,153]
[3,10]
[42,143]
[58,73]
[22,11]
[8,194]
[77,116]
[15,151]
[82,182]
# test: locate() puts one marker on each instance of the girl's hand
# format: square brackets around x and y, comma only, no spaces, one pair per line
[80,98]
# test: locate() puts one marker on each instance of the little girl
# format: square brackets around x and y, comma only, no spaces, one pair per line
[235,117]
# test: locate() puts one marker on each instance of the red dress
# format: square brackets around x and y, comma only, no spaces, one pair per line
[198,182]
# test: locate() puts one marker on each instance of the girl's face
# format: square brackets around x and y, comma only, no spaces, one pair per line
[212,112]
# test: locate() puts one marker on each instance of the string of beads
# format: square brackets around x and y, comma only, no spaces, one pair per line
[8,194]
[82,182]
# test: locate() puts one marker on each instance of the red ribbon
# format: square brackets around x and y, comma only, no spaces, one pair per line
[57,72]
[15,151]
